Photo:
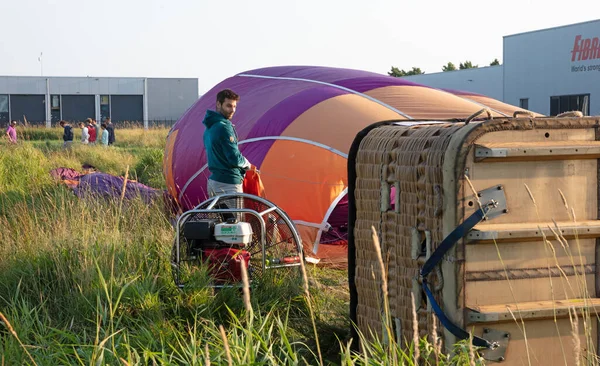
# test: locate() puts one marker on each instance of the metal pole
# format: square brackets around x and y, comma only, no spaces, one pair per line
[97,108]
[145,102]
[48,113]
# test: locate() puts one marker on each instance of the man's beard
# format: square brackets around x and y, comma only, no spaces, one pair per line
[225,114]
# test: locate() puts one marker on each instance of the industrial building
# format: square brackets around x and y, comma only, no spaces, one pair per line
[47,100]
[548,71]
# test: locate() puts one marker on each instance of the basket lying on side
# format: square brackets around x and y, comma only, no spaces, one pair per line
[496,221]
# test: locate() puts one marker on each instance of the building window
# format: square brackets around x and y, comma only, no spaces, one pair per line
[569,103]
[524,103]
[4,108]
[55,102]
[104,107]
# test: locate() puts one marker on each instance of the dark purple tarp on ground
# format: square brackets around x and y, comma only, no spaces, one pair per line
[105,185]
[111,186]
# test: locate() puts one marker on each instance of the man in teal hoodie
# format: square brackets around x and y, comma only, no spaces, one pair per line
[226,163]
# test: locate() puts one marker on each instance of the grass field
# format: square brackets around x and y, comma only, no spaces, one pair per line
[88,282]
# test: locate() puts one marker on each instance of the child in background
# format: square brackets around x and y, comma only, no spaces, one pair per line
[104,139]
[85,135]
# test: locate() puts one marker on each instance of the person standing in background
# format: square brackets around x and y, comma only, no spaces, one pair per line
[105,135]
[111,131]
[85,135]
[67,134]
[91,125]
[11,132]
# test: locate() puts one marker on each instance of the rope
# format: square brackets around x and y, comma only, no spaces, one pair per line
[527,113]
[527,273]
[478,113]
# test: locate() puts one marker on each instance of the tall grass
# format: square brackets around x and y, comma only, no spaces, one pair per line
[89,281]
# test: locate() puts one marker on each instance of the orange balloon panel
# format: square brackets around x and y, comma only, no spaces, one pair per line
[497,105]
[422,102]
[336,121]
[308,235]
[303,179]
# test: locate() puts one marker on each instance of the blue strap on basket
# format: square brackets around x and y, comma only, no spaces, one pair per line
[436,258]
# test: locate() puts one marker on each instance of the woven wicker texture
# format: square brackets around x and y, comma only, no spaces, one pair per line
[409,159]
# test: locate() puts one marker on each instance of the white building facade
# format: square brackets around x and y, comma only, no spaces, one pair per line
[548,71]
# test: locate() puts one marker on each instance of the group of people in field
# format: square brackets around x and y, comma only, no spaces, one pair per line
[91,133]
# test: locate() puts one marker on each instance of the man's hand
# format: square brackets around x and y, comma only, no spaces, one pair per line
[246,165]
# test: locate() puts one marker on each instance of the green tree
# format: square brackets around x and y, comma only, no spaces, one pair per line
[467,65]
[495,62]
[395,72]
[449,67]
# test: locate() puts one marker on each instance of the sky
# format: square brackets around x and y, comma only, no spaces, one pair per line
[213,40]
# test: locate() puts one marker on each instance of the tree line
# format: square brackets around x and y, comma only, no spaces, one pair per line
[448,67]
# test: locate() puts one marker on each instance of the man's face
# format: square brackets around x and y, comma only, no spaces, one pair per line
[227,108]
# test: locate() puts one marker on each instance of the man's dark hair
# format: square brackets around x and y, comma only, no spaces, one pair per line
[61,122]
[103,126]
[227,94]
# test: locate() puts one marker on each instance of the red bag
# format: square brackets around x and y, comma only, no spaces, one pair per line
[225,263]
[252,183]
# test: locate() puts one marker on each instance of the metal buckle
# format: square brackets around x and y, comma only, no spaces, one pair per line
[499,340]
[495,201]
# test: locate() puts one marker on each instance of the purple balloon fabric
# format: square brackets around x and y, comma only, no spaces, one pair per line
[270,100]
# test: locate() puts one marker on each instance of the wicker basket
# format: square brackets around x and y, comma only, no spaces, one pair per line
[521,273]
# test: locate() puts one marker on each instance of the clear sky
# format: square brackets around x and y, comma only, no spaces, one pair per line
[212,40]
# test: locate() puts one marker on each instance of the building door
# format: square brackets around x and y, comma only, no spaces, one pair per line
[78,108]
[30,108]
[127,108]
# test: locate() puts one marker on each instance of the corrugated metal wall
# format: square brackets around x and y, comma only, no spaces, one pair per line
[168,99]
